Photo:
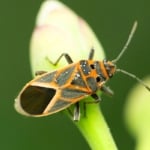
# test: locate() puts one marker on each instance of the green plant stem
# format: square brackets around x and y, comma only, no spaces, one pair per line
[95,129]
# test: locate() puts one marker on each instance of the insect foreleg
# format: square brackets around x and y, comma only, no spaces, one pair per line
[67,57]
[107,90]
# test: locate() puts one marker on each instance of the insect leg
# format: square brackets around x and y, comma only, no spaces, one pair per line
[40,72]
[76,114]
[107,90]
[97,100]
[67,57]
[91,54]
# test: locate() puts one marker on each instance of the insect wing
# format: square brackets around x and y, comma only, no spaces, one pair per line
[46,94]
[36,95]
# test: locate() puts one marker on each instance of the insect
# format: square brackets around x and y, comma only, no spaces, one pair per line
[51,92]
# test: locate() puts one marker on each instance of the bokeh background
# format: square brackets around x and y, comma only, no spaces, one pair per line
[111,21]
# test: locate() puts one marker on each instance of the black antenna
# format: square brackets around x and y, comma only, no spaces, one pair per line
[134,77]
[122,52]
[127,42]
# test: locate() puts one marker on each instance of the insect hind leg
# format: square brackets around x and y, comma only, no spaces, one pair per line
[67,57]
[75,114]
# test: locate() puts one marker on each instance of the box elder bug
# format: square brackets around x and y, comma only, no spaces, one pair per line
[51,92]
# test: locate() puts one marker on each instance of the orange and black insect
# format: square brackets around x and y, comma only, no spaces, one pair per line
[51,92]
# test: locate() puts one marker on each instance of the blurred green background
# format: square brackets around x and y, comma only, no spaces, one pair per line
[111,21]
